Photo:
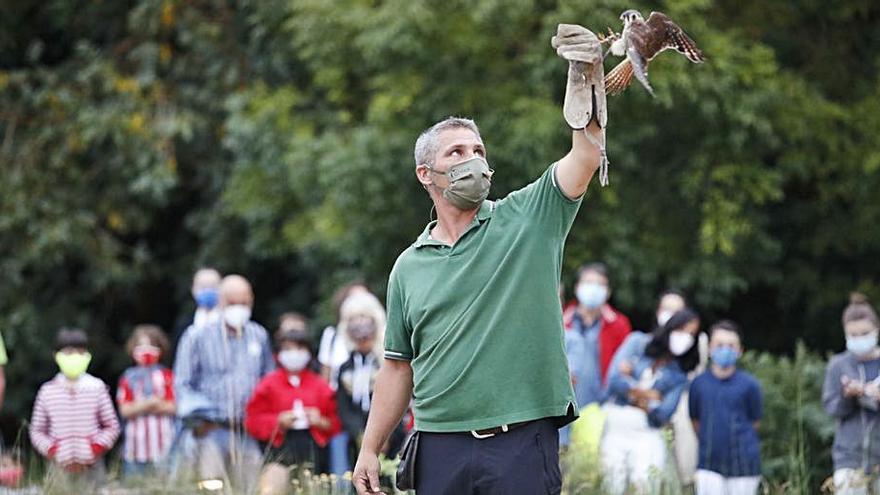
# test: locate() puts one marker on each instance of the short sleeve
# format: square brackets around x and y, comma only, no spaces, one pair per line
[324,347]
[544,201]
[398,335]
[3,358]
[124,393]
[168,375]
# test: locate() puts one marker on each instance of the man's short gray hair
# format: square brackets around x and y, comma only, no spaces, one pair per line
[426,144]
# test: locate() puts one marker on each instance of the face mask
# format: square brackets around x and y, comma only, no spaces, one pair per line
[724,356]
[146,355]
[680,342]
[591,295]
[73,365]
[663,316]
[362,329]
[863,344]
[237,315]
[207,298]
[294,359]
[469,183]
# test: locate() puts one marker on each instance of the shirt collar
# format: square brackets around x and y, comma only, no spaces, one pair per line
[582,326]
[485,212]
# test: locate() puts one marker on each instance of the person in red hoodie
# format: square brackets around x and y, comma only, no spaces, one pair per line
[292,410]
[594,331]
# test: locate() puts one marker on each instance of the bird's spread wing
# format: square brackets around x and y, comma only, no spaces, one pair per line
[639,68]
[619,78]
[674,37]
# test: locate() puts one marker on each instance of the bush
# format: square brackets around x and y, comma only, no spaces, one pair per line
[795,432]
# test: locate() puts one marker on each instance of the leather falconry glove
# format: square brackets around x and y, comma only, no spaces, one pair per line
[585,88]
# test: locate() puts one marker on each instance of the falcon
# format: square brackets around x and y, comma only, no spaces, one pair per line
[640,42]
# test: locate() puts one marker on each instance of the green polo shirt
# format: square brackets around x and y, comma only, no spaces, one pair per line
[481,321]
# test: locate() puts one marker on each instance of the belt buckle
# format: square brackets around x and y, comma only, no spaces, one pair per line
[479,436]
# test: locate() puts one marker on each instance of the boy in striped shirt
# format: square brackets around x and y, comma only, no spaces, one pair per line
[145,397]
[73,423]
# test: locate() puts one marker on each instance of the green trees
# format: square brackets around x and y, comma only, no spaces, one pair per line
[140,139]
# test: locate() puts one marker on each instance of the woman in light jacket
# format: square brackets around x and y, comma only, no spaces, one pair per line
[648,376]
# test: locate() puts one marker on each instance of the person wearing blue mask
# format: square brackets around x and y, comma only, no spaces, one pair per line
[725,405]
[206,293]
[594,332]
[851,395]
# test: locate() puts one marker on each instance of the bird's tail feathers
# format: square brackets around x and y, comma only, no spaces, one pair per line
[619,78]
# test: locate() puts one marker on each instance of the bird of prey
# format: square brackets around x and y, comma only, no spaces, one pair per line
[640,42]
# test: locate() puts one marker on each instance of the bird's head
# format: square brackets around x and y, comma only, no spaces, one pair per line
[630,16]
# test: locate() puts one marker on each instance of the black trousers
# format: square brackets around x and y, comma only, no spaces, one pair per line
[524,461]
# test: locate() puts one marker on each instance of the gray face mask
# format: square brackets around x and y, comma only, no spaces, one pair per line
[469,183]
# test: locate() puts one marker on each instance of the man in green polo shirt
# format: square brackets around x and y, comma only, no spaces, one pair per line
[474,332]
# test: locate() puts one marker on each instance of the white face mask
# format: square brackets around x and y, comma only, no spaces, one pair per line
[591,295]
[862,345]
[663,316]
[294,359]
[236,315]
[680,342]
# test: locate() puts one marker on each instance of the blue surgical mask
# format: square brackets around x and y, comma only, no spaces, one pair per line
[863,344]
[207,298]
[724,356]
[591,295]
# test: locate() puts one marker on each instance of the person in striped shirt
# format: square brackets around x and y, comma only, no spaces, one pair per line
[215,373]
[73,422]
[145,397]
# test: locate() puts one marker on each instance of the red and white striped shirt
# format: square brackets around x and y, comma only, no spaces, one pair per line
[148,437]
[73,422]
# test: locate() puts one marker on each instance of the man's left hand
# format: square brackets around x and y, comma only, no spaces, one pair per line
[577,44]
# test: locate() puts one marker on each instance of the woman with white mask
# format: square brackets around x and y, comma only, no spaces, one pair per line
[644,390]
[685,445]
[851,394]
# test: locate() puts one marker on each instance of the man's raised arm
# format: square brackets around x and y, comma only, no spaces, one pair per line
[584,107]
[574,171]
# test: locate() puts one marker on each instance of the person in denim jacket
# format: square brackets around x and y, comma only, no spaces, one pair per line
[647,377]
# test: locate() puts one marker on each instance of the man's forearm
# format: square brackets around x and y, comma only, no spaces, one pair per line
[391,396]
[576,169]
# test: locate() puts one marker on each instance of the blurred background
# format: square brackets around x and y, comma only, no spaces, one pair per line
[142,139]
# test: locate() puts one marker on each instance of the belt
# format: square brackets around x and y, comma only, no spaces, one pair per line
[491,432]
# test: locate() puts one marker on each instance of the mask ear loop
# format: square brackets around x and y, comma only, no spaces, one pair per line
[425,186]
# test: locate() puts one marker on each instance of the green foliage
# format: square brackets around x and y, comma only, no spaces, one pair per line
[795,432]
[141,139]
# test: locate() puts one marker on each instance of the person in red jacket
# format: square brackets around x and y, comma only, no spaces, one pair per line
[593,332]
[292,412]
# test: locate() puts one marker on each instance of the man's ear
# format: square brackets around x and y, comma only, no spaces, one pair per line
[423,174]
